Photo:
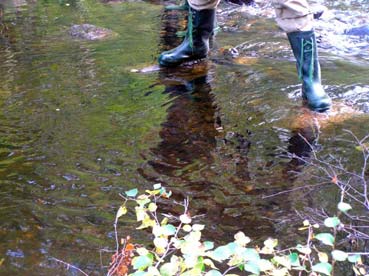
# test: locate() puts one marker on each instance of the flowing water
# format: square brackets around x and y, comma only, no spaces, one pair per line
[79,126]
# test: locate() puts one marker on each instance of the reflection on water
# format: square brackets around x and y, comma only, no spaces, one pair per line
[189,133]
[77,128]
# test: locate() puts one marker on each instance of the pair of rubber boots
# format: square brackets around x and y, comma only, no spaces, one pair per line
[195,46]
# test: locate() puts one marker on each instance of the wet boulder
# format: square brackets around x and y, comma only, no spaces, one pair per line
[358,31]
[90,32]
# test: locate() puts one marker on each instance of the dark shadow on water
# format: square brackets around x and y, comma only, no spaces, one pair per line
[189,132]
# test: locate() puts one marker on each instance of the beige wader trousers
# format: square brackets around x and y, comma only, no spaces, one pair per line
[291,15]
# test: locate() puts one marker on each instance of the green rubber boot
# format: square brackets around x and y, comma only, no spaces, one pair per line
[195,45]
[305,51]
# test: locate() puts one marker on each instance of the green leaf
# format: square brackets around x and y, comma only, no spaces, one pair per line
[213,272]
[138,273]
[339,255]
[294,259]
[303,249]
[344,207]
[325,268]
[141,262]
[200,264]
[332,222]
[252,267]
[232,246]
[354,258]
[250,254]
[164,192]
[221,253]
[132,193]
[169,230]
[325,238]
[208,245]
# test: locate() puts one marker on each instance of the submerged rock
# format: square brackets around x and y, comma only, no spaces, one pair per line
[90,32]
[339,113]
[358,31]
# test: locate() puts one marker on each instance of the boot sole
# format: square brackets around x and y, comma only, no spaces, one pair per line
[172,64]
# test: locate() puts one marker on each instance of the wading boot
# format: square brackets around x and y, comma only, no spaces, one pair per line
[195,45]
[305,51]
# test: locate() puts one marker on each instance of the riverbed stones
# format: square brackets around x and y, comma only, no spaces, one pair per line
[339,31]
[90,32]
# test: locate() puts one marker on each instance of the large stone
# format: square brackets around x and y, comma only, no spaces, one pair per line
[90,32]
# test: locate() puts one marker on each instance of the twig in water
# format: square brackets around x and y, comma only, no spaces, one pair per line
[68,265]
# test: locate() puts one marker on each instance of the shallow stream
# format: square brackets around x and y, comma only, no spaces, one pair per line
[79,125]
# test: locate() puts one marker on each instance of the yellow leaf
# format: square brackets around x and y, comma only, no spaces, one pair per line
[122,211]
[140,213]
[155,192]
[187,228]
[152,207]
[210,263]
[164,221]
[142,251]
[323,257]
[303,228]
[146,222]
[160,250]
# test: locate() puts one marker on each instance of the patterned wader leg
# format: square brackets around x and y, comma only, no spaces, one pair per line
[291,15]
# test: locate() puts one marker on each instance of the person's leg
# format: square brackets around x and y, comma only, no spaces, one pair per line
[296,19]
[200,26]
